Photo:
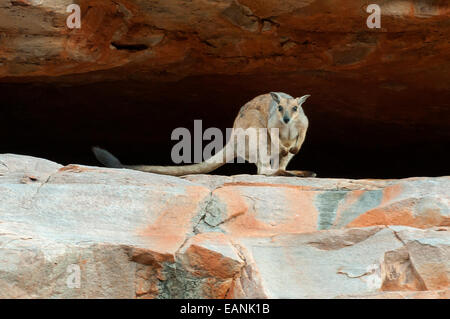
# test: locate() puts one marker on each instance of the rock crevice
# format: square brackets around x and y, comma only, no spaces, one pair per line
[141,235]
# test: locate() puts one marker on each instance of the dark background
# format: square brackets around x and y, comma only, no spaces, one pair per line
[135,119]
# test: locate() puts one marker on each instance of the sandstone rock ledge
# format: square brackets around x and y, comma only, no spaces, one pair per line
[140,235]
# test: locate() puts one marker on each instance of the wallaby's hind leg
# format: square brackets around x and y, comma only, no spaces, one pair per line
[284,161]
[282,171]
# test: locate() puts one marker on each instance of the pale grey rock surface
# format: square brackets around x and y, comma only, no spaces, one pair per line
[130,234]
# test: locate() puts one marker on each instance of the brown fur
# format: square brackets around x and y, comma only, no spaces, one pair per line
[261,112]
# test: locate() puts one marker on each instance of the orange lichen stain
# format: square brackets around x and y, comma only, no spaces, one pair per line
[349,200]
[233,199]
[434,275]
[300,212]
[299,187]
[386,215]
[431,218]
[148,270]
[149,257]
[248,225]
[245,224]
[82,264]
[204,262]
[169,230]
[303,211]
[74,169]
[399,213]
[215,238]
[221,271]
[391,192]
[370,218]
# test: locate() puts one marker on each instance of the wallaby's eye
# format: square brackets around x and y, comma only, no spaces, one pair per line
[280,108]
[295,109]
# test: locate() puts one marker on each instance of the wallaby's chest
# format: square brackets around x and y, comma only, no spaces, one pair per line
[288,135]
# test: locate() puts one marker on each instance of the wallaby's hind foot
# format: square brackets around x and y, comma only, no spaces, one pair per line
[303,173]
[281,172]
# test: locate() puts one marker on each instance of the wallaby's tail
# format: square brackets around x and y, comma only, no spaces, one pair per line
[106,158]
[216,161]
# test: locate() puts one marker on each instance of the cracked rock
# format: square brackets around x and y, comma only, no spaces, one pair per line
[129,234]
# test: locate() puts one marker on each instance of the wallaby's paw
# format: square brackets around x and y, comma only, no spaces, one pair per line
[284,152]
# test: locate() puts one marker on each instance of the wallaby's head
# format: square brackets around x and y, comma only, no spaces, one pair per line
[287,108]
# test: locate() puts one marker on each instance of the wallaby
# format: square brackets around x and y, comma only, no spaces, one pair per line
[275,110]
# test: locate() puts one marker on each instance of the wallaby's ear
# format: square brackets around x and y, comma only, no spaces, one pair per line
[275,97]
[301,100]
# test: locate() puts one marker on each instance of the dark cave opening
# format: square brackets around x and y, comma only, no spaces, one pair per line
[135,119]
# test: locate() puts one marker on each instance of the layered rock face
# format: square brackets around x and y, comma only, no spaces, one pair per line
[184,38]
[128,234]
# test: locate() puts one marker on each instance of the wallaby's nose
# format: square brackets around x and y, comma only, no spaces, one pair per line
[286,119]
